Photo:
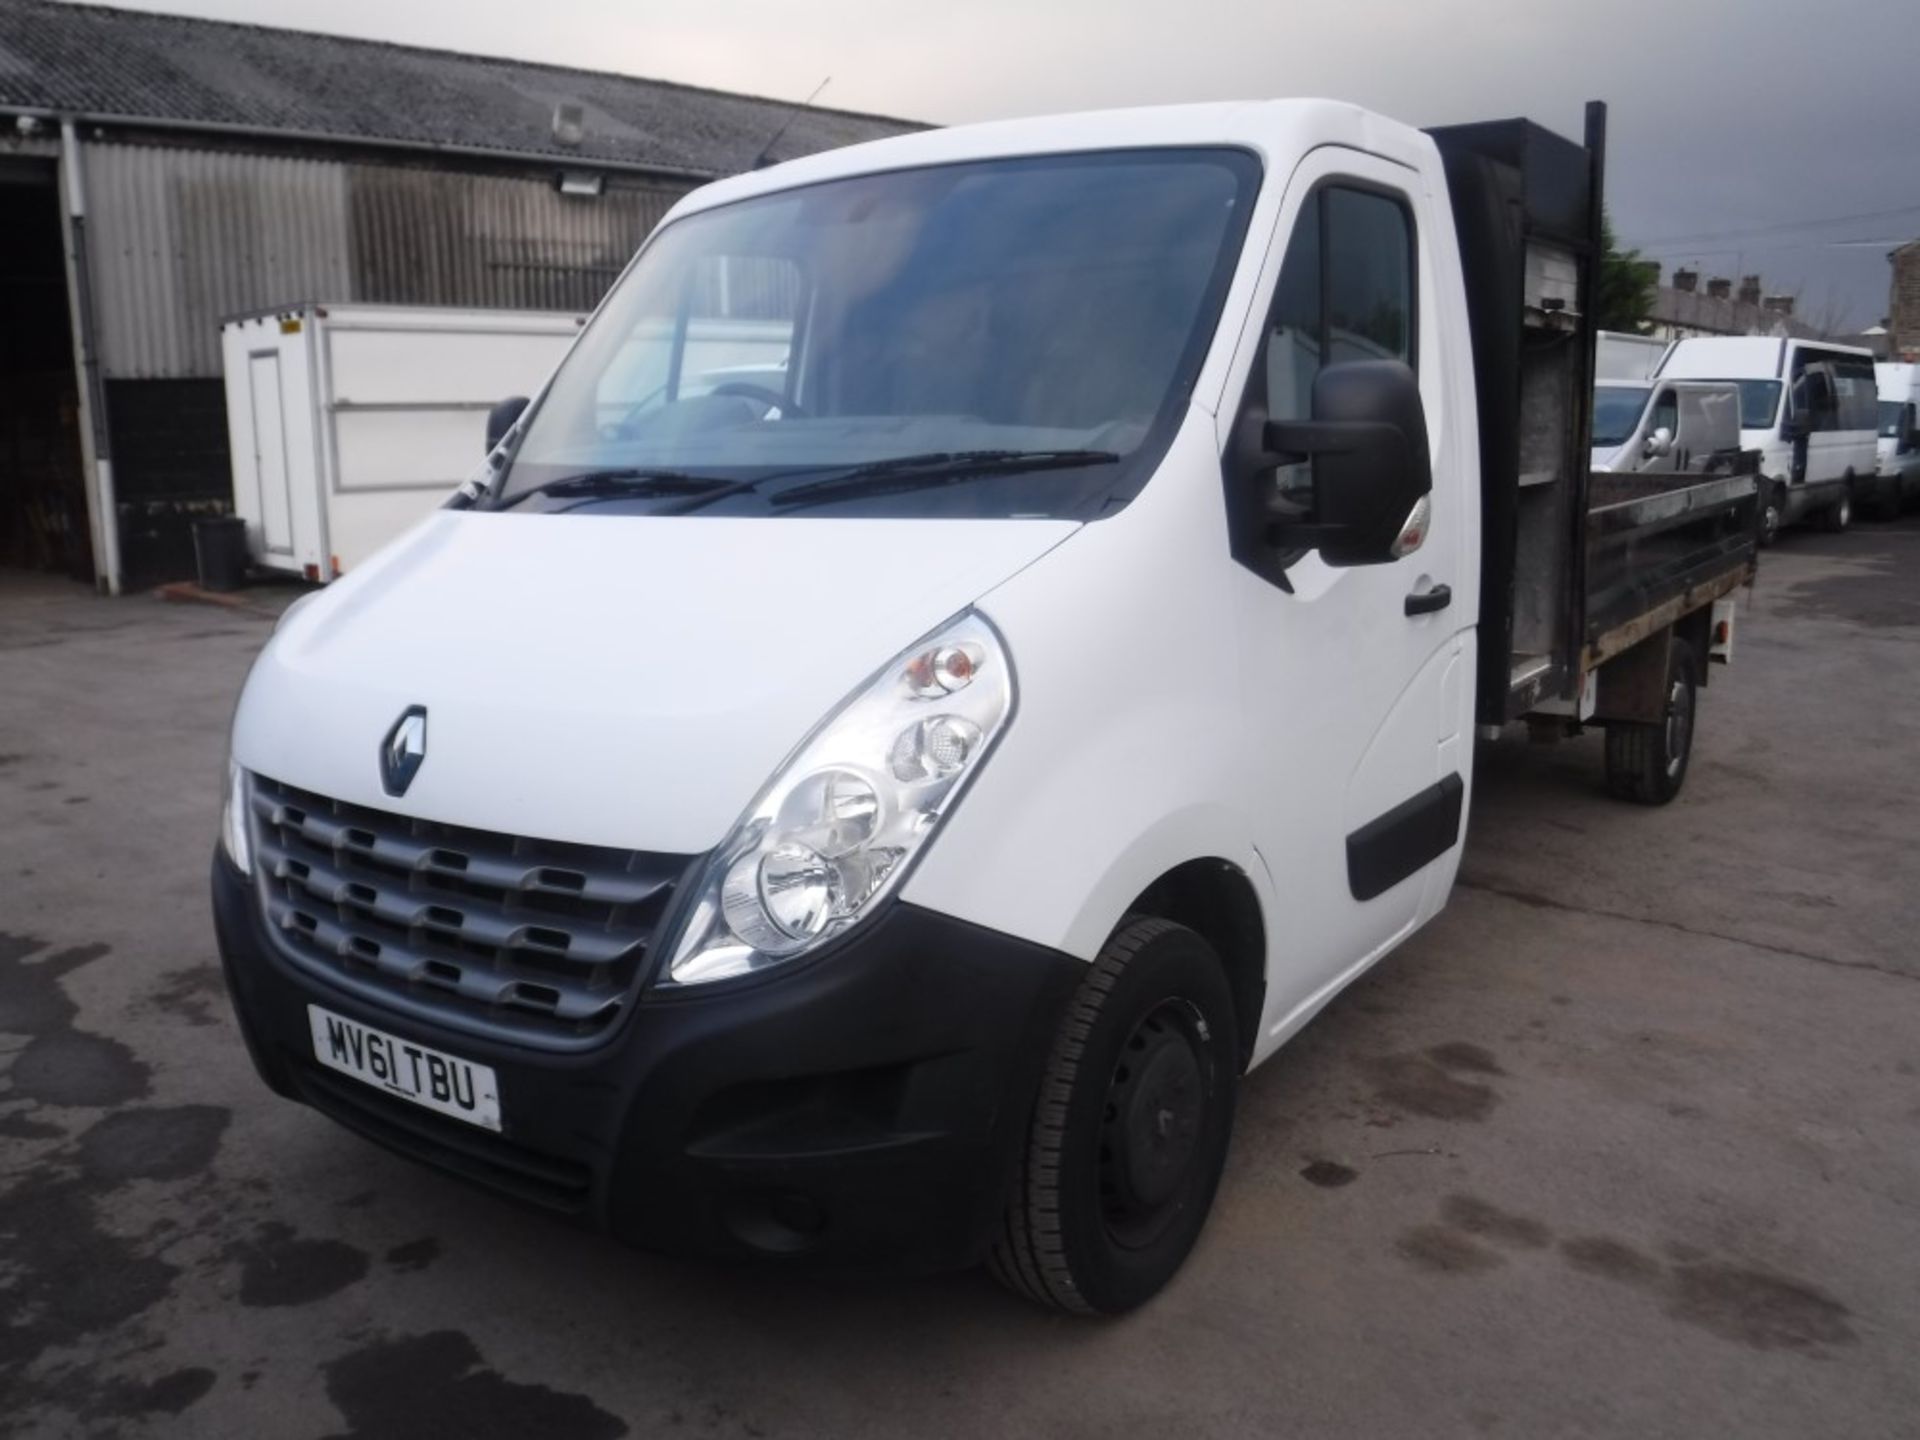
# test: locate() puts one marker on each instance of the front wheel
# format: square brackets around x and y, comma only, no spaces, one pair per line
[1130,1132]
[1887,502]
[1648,763]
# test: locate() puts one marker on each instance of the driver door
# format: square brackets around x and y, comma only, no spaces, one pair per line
[1357,680]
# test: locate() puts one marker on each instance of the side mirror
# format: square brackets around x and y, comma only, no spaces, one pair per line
[1659,443]
[500,420]
[1794,426]
[1371,471]
[1913,439]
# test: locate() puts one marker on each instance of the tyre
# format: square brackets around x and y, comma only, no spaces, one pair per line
[1773,511]
[1130,1131]
[1888,502]
[1839,515]
[1648,763]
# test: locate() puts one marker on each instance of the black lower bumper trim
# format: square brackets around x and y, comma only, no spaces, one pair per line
[868,1107]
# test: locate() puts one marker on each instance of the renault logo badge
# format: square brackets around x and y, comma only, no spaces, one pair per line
[403,750]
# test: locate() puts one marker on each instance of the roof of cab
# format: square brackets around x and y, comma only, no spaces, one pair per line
[1266,127]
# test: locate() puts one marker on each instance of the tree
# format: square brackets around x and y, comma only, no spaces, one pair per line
[1624,298]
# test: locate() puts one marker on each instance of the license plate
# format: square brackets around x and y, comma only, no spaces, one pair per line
[430,1078]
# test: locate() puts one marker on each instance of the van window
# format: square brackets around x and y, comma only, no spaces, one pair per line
[741,311]
[1000,338]
[1759,403]
[1859,392]
[1666,413]
[1833,391]
[1616,410]
[1345,293]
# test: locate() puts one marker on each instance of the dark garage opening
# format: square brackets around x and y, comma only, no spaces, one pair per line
[170,468]
[43,499]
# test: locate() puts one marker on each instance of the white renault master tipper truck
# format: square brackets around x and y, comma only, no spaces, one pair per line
[878,807]
[1808,407]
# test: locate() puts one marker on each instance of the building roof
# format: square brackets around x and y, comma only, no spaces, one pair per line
[1713,315]
[98,63]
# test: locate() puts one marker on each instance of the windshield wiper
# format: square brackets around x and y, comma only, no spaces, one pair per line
[936,467]
[628,482]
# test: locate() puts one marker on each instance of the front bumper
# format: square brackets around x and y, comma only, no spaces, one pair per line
[868,1107]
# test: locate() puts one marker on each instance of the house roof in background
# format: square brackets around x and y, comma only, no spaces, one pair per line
[104,63]
[1696,310]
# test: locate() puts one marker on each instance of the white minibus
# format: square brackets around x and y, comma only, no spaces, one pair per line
[1808,407]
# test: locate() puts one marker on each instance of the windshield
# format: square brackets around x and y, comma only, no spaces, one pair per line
[1890,419]
[1616,410]
[921,327]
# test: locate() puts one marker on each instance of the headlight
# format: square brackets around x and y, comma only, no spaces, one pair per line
[233,820]
[840,823]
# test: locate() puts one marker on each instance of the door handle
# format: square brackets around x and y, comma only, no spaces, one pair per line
[1425,602]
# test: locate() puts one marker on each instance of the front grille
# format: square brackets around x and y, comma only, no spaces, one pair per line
[531,940]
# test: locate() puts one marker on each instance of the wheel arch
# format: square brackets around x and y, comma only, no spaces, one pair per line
[1215,899]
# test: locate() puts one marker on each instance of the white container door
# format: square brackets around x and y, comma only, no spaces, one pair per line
[273,499]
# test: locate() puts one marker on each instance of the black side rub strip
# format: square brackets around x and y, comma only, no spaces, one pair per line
[1385,851]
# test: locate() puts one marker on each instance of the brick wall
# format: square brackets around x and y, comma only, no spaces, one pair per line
[1903,305]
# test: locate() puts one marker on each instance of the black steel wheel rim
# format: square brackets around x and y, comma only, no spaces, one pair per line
[1154,1123]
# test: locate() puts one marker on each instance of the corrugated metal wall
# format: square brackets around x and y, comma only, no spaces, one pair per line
[182,238]
[437,237]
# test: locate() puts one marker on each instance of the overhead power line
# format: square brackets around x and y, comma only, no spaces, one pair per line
[1704,236]
[1812,242]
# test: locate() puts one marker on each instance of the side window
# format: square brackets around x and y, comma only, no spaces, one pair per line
[1816,391]
[1859,395]
[1369,240]
[1294,333]
[1345,293]
[1666,413]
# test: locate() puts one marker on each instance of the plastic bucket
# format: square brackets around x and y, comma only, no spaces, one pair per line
[220,552]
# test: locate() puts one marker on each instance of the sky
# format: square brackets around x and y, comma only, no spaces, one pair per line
[1773,136]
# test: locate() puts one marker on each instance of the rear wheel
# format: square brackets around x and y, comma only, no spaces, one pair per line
[1839,515]
[1648,763]
[1130,1133]
[1773,509]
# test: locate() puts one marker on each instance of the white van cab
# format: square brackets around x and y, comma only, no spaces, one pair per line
[1674,425]
[1809,409]
[1899,435]
[876,805]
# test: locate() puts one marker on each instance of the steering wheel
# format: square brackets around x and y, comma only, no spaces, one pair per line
[765,394]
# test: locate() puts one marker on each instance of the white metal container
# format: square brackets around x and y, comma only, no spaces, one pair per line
[1622,357]
[348,423]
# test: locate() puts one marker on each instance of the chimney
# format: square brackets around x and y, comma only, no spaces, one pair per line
[1749,289]
[1779,305]
[1687,280]
[1719,288]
